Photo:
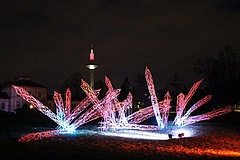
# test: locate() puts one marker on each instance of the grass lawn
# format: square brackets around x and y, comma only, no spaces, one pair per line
[219,139]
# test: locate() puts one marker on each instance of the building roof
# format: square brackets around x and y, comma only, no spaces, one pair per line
[28,83]
[3,95]
[23,81]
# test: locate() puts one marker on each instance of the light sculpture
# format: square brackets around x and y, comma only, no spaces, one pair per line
[96,111]
[63,116]
[145,113]
[159,109]
[182,100]
[114,113]
[80,108]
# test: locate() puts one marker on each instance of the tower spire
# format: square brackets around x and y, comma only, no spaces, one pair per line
[91,66]
[91,54]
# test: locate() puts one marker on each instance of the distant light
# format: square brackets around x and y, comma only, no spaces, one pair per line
[31,106]
[91,53]
[92,66]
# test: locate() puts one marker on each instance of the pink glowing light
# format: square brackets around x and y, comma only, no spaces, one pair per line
[153,95]
[121,121]
[67,108]
[63,117]
[207,116]
[114,113]
[145,113]
[182,100]
[160,110]
[80,108]
[98,106]
[44,109]
[91,56]
[38,136]
[59,105]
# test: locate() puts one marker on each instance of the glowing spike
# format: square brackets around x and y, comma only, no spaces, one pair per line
[145,113]
[38,105]
[182,101]
[80,108]
[153,95]
[59,105]
[67,108]
[208,115]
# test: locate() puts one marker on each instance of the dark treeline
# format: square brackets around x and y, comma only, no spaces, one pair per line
[222,75]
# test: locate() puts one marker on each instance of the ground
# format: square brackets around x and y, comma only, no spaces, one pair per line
[218,138]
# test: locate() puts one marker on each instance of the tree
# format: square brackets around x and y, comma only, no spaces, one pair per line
[74,82]
[175,84]
[141,97]
[175,87]
[222,75]
[25,108]
[101,85]
[125,88]
[205,67]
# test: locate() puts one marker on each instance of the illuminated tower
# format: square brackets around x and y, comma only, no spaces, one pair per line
[91,66]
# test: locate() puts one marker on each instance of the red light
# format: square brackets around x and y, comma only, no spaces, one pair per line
[91,56]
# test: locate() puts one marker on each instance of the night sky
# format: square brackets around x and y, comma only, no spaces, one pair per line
[49,40]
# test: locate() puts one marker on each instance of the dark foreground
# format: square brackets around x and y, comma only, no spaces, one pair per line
[217,139]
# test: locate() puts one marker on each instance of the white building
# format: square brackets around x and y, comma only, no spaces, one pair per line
[9,99]
[4,102]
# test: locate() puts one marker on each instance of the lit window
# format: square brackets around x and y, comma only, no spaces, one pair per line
[31,106]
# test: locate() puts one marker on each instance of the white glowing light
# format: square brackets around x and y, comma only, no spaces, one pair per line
[92,66]
[186,132]
[137,135]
